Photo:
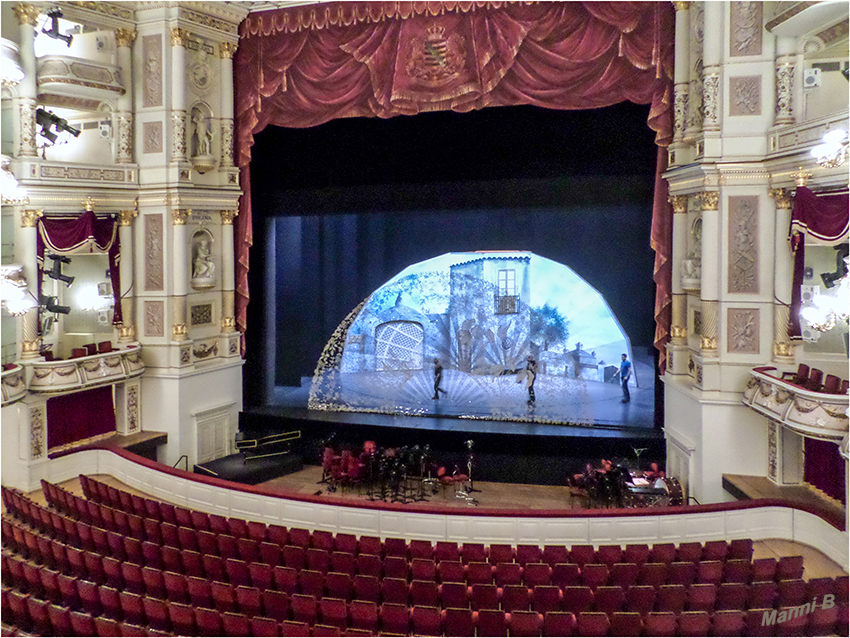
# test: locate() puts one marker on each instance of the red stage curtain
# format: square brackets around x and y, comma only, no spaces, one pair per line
[79,416]
[82,233]
[824,468]
[304,66]
[826,219]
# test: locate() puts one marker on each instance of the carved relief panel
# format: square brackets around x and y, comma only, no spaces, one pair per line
[743,268]
[745,95]
[152,70]
[154,277]
[742,330]
[745,24]
[154,318]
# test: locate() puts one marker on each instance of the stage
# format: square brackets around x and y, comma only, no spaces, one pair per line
[505,451]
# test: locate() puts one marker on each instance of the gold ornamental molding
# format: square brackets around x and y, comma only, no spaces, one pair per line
[179,330]
[679,203]
[179,216]
[127,332]
[179,37]
[710,199]
[228,322]
[88,204]
[227,217]
[29,217]
[125,37]
[801,177]
[26,13]
[226,50]
[126,217]
[781,349]
[782,197]
[708,343]
[681,5]
[678,332]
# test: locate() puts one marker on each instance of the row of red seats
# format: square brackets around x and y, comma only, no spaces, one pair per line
[157,617]
[443,550]
[812,379]
[343,566]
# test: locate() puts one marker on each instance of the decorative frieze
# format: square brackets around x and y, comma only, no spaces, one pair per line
[132,408]
[27,145]
[745,95]
[742,330]
[37,432]
[178,135]
[680,111]
[743,271]
[745,24]
[772,450]
[125,138]
[710,97]
[47,171]
[784,94]
[226,143]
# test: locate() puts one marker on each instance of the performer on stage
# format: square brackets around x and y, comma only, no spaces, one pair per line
[531,368]
[625,372]
[438,377]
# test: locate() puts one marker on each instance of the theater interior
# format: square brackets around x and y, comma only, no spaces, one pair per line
[424,318]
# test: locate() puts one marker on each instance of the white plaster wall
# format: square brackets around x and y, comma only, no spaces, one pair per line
[13,468]
[169,401]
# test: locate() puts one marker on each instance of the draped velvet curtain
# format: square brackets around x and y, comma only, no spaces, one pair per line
[82,234]
[79,416]
[825,219]
[304,66]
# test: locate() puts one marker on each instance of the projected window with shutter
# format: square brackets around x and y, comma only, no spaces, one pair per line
[398,345]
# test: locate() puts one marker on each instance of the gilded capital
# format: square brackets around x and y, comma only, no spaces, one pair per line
[708,343]
[782,197]
[179,37]
[180,215]
[125,37]
[679,203]
[126,217]
[26,13]
[681,5]
[29,217]
[678,332]
[227,217]
[178,330]
[228,323]
[709,199]
[226,50]
[781,349]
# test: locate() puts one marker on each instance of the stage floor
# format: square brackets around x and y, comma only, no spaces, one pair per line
[483,404]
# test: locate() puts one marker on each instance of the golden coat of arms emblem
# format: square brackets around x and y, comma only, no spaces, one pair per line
[436,59]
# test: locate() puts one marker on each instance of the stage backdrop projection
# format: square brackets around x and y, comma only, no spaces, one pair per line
[453,335]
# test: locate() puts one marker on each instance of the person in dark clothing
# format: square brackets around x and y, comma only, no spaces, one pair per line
[438,378]
[625,372]
[531,367]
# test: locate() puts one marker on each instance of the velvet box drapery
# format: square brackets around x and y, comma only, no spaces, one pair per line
[825,219]
[82,233]
[79,416]
[304,66]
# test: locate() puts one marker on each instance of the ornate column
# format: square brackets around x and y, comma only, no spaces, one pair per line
[695,50]
[228,279]
[127,332]
[124,39]
[180,268]
[710,275]
[678,330]
[178,93]
[226,50]
[26,251]
[681,79]
[786,58]
[783,351]
[27,15]
[712,43]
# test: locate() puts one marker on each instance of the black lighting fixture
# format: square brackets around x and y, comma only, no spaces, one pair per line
[50,305]
[56,271]
[53,31]
[46,120]
[829,278]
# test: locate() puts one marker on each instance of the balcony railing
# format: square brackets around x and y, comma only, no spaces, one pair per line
[14,384]
[813,414]
[505,305]
[85,372]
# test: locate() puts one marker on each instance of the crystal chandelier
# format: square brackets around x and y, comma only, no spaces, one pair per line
[827,310]
[833,150]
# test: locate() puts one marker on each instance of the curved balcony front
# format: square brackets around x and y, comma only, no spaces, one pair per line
[81,373]
[813,414]
[67,77]
[14,384]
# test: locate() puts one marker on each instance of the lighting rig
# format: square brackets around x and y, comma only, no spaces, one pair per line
[53,31]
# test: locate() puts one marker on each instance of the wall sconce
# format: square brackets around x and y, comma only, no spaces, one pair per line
[833,150]
[13,289]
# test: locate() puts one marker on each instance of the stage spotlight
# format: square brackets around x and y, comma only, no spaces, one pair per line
[62,125]
[46,120]
[830,278]
[53,31]
[56,271]
[49,304]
